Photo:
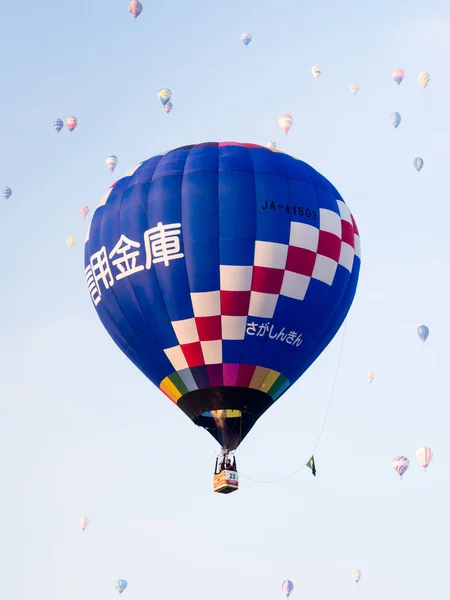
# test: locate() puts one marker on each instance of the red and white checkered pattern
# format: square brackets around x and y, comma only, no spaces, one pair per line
[235,287]
[279,269]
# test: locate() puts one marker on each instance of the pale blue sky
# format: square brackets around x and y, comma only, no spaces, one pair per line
[83,432]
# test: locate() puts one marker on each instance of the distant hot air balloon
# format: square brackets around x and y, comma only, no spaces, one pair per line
[423,333]
[84,522]
[58,124]
[370,376]
[213,248]
[246,38]
[424,455]
[121,585]
[70,240]
[356,574]
[418,163]
[6,192]
[135,8]
[164,95]
[316,70]
[111,162]
[396,119]
[287,587]
[423,79]
[71,123]
[84,211]
[272,145]
[286,121]
[400,465]
[354,88]
[168,107]
[398,75]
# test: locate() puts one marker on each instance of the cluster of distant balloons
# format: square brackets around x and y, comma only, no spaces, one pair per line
[285,121]
[121,584]
[424,455]
[288,587]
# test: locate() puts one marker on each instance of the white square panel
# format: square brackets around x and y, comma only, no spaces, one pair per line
[330,221]
[344,212]
[324,269]
[186,331]
[176,357]
[235,278]
[294,285]
[233,328]
[262,305]
[304,236]
[206,304]
[346,257]
[357,246]
[212,352]
[270,254]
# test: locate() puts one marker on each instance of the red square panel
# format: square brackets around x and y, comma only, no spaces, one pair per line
[267,280]
[209,328]
[329,245]
[193,354]
[234,304]
[355,227]
[347,233]
[300,260]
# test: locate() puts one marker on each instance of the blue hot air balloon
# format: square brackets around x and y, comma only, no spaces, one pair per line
[6,193]
[418,163]
[58,124]
[396,119]
[121,585]
[423,333]
[222,271]
[246,38]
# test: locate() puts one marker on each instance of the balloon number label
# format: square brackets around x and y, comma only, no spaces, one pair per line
[232,476]
[301,211]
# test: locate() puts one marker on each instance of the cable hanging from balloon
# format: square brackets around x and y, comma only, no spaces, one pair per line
[327,412]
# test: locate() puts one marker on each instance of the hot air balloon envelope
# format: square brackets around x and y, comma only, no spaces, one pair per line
[246,38]
[398,75]
[356,574]
[424,79]
[424,455]
[6,193]
[423,332]
[164,95]
[111,162]
[221,296]
[71,123]
[418,163]
[396,119]
[121,585]
[84,522]
[286,122]
[400,465]
[316,70]
[135,8]
[287,587]
[58,124]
